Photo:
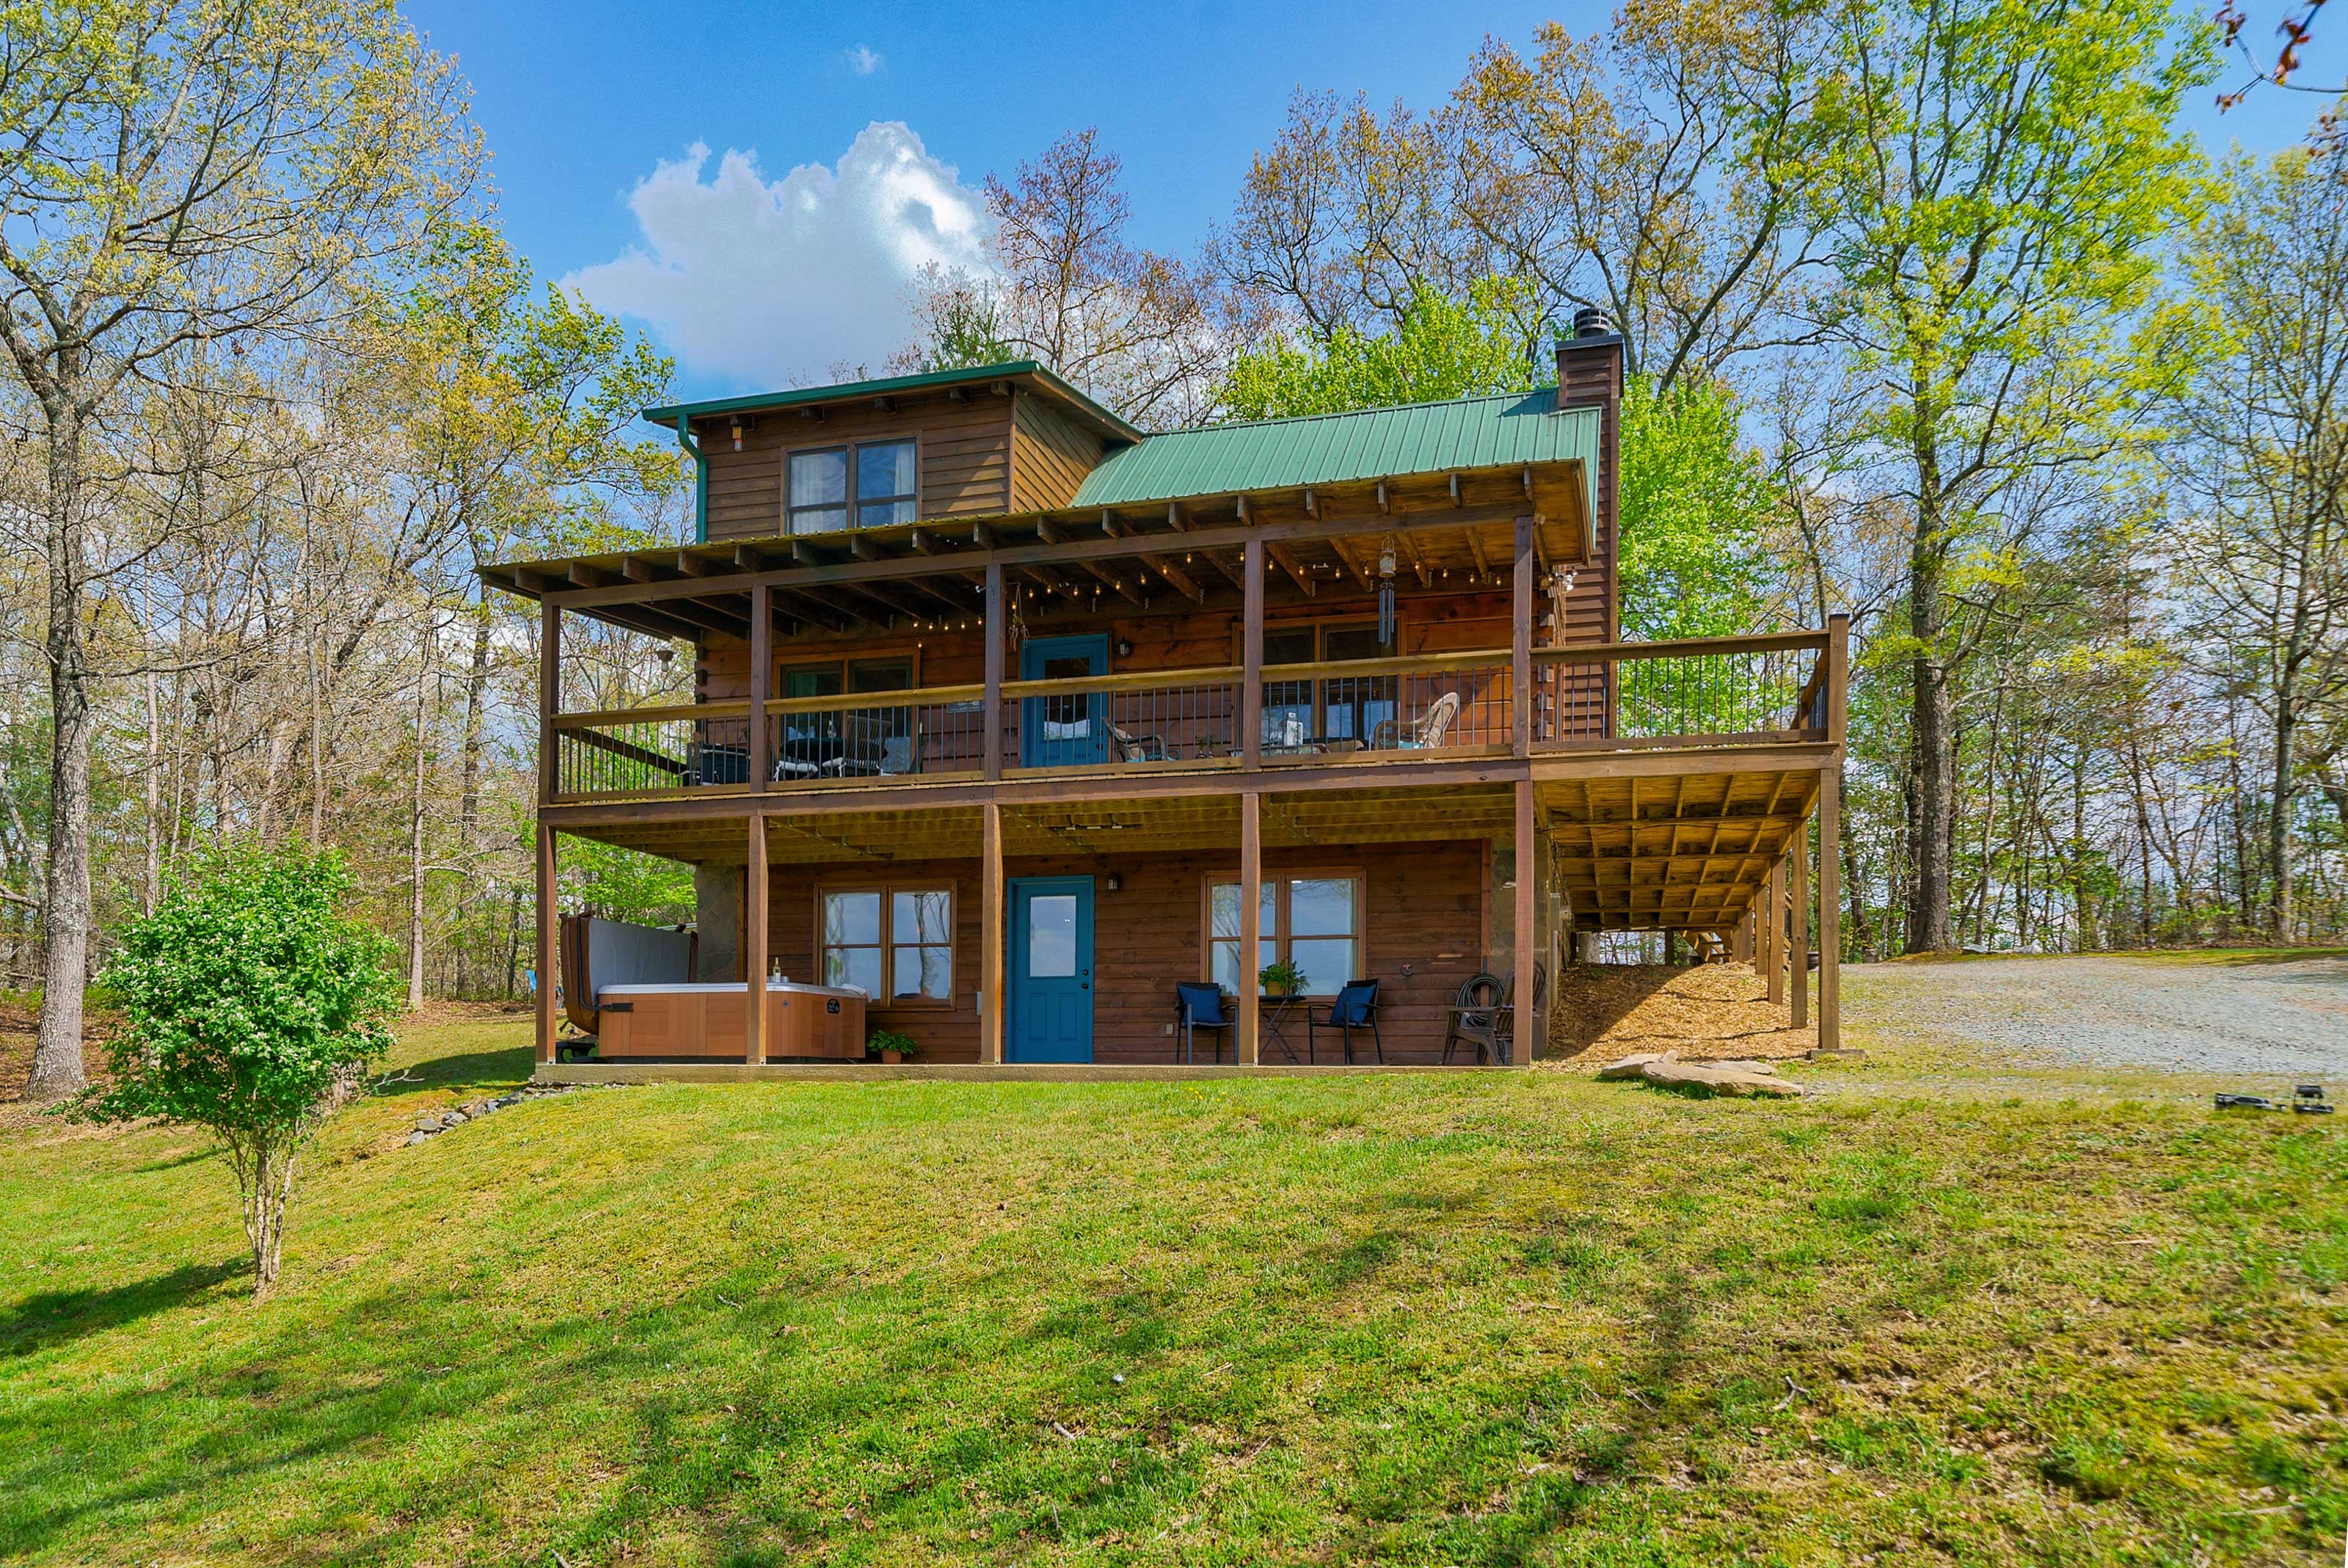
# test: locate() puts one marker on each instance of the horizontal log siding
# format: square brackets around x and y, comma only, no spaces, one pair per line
[1051,454]
[1425,910]
[1166,638]
[966,458]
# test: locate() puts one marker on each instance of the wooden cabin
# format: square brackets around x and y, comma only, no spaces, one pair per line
[1009,717]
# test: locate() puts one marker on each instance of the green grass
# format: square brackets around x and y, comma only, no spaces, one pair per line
[1498,1318]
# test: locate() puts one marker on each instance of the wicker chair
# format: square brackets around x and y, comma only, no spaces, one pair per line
[1138,748]
[1485,1015]
[1425,733]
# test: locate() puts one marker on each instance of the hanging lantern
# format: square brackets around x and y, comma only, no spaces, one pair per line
[1385,594]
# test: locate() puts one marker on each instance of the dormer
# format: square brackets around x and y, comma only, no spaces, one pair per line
[978,442]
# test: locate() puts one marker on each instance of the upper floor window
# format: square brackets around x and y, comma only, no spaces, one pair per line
[879,477]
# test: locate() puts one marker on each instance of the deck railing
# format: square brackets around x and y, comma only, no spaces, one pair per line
[1711,692]
[646,750]
[1708,691]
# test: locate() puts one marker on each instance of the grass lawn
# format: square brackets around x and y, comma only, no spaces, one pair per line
[1483,1319]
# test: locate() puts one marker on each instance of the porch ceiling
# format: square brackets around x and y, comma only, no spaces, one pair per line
[1451,530]
[1107,828]
[1687,852]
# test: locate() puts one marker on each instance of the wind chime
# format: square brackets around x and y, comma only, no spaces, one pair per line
[1385,595]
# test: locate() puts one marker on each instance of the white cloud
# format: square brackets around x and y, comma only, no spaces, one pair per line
[863,61]
[762,281]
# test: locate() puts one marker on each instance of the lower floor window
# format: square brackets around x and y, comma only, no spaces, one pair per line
[1312,922]
[896,943]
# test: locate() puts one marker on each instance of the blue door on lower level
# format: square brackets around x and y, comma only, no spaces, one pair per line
[1050,997]
[1063,731]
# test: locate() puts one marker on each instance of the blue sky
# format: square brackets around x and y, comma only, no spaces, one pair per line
[592,111]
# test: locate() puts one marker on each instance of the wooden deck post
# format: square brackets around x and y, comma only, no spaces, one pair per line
[1772,930]
[1245,1050]
[1251,672]
[756,880]
[990,930]
[1801,869]
[1831,836]
[994,701]
[550,966]
[1829,911]
[549,697]
[1520,645]
[761,747]
[1528,1026]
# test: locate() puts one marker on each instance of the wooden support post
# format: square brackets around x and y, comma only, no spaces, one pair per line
[993,702]
[549,966]
[1520,645]
[1829,912]
[1251,923]
[1801,943]
[1773,932]
[755,879]
[1528,1026]
[992,935]
[549,695]
[1830,835]
[761,750]
[1251,671]
[1671,947]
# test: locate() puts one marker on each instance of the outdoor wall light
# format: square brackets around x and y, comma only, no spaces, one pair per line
[738,435]
[1124,649]
[1112,881]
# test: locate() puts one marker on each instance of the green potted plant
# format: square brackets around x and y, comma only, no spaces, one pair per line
[889,1046]
[1280,978]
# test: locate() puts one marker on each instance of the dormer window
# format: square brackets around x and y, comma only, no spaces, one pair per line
[881,475]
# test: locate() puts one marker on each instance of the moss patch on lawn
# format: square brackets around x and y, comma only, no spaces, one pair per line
[1495,1318]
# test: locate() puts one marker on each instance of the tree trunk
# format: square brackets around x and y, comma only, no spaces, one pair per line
[2279,822]
[66,912]
[416,829]
[1934,741]
[477,691]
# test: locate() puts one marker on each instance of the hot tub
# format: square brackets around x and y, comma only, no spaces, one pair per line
[703,1021]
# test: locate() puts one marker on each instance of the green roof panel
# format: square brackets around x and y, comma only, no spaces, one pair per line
[1484,432]
[1028,370]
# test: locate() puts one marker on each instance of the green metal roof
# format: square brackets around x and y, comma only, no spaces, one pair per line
[1011,369]
[1490,431]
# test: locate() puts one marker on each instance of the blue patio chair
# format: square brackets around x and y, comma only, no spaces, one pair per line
[1197,1006]
[1355,1007]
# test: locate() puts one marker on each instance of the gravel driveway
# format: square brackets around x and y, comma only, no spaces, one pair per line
[2267,1018]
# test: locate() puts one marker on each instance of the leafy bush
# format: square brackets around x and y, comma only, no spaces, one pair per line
[251,1005]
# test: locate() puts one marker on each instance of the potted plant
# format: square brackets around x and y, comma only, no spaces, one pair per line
[889,1046]
[1280,978]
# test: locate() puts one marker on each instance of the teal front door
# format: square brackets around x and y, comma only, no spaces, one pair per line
[1050,1007]
[1063,731]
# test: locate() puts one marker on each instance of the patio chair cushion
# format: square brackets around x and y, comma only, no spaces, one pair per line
[1200,1003]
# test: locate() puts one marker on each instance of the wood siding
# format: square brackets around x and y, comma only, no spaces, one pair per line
[966,458]
[1050,454]
[1168,638]
[1424,910]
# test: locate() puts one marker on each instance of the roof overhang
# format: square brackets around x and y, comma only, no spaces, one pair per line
[1026,374]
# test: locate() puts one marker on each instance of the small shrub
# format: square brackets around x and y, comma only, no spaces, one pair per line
[251,1007]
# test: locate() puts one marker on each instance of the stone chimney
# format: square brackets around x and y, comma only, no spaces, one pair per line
[1590,376]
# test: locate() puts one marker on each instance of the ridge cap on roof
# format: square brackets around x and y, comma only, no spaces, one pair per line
[1356,413]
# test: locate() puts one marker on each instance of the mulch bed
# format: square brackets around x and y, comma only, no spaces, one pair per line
[1701,1011]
